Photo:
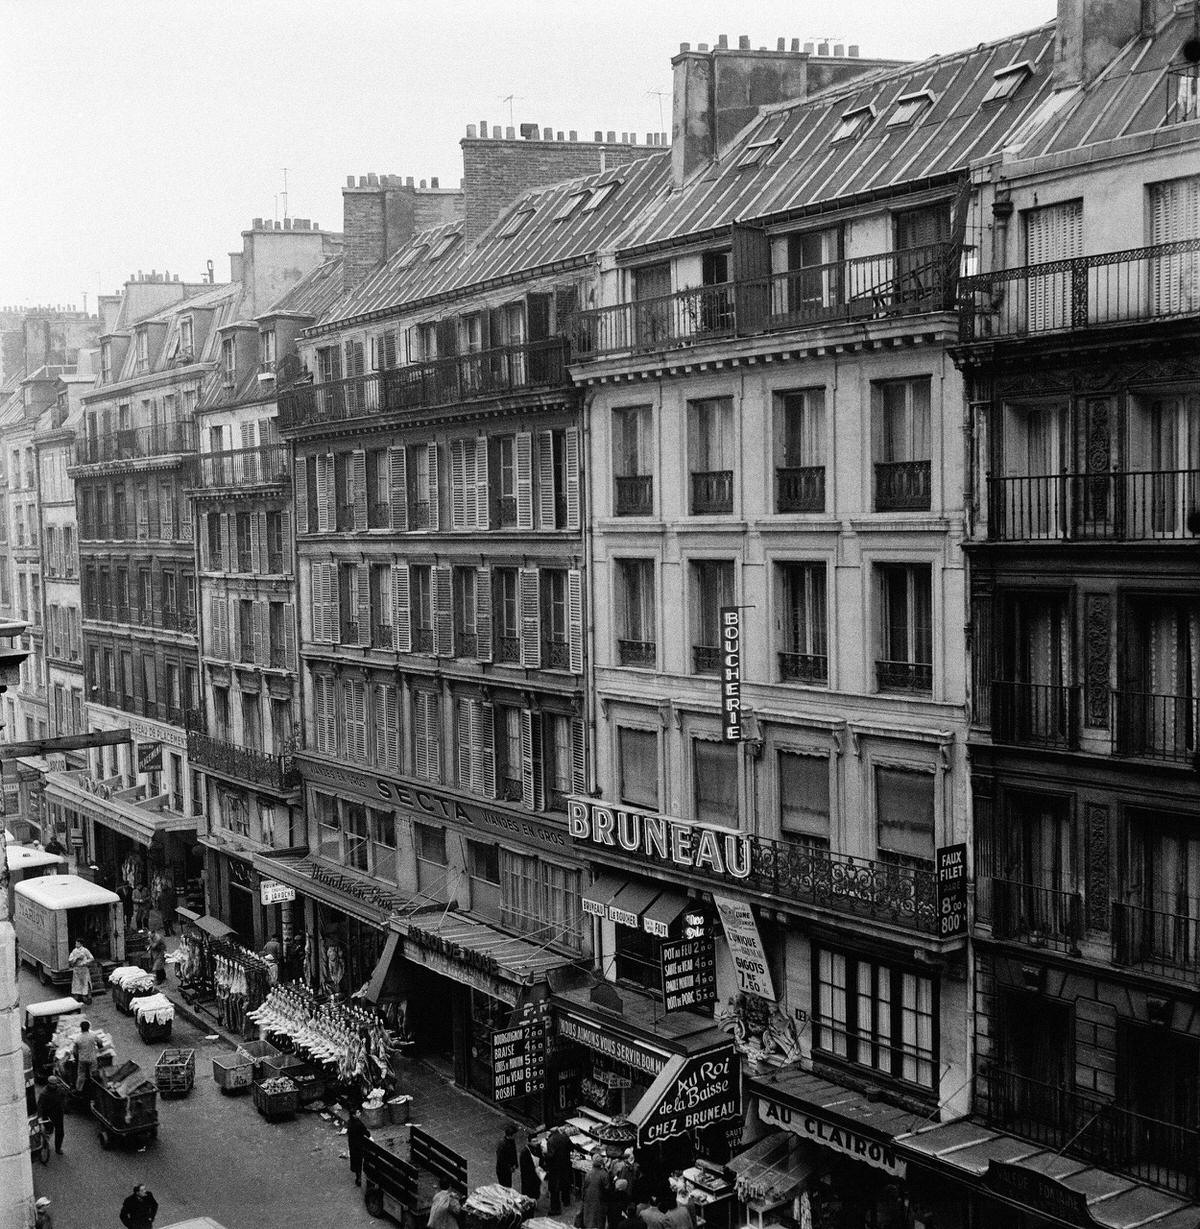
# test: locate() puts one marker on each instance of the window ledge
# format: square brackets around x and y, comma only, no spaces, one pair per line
[917,522]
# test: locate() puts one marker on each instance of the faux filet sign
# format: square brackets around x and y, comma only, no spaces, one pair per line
[694,1092]
[951,891]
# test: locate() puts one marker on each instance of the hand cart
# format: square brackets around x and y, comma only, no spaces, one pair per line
[125,1105]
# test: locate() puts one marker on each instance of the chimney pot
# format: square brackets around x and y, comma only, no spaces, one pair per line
[349,181]
[684,47]
[781,44]
[408,183]
[572,135]
[612,137]
[558,136]
[599,136]
[510,134]
[701,46]
[433,183]
[547,134]
[809,48]
[624,138]
[472,132]
[852,51]
[722,41]
[287,223]
[372,180]
[633,138]
[278,226]
[362,181]
[743,42]
[422,183]
[483,129]
[529,132]
[839,50]
[822,49]
[795,44]
[256,224]
[176,277]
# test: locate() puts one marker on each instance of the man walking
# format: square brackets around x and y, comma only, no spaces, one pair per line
[558,1170]
[50,1108]
[87,1054]
[356,1135]
[506,1156]
[139,1209]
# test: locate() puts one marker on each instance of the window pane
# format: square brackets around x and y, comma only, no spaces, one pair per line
[638,752]
[716,781]
[804,796]
[904,802]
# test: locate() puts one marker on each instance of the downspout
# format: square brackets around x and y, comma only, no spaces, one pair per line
[589,638]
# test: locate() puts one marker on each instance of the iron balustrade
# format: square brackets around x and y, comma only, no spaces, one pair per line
[1157,282]
[135,443]
[803,668]
[264,465]
[906,282]
[800,488]
[904,675]
[382,635]
[379,514]
[706,659]
[276,772]
[506,509]
[556,655]
[422,639]
[1131,506]
[466,644]
[1156,727]
[637,652]
[344,522]
[1090,1128]
[1030,913]
[510,789]
[634,494]
[712,491]
[1160,933]
[418,514]
[508,649]
[1035,714]
[443,381]
[902,486]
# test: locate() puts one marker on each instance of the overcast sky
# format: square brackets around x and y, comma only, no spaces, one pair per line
[139,134]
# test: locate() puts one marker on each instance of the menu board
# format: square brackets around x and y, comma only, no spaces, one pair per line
[689,972]
[952,891]
[519,1055]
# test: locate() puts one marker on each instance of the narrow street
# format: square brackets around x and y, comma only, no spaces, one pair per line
[215,1156]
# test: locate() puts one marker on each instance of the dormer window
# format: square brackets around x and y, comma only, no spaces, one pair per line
[228,359]
[186,338]
[143,350]
[516,220]
[763,145]
[909,107]
[571,205]
[443,245]
[266,349]
[105,362]
[600,193]
[854,123]
[1007,81]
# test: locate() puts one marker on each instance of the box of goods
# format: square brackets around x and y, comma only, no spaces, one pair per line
[233,1073]
[258,1052]
[276,1097]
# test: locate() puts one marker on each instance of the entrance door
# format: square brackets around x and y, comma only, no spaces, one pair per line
[241,913]
[1037,1067]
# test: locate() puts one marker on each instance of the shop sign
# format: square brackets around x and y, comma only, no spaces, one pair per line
[272,892]
[731,672]
[149,757]
[368,893]
[594,1037]
[441,962]
[1040,1192]
[705,1089]
[519,1055]
[746,948]
[689,973]
[951,891]
[832,1135]
[722,853]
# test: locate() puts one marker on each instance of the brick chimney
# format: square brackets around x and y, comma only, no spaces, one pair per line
[1089,33]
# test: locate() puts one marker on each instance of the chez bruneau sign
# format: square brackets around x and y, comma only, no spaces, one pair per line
[646,836]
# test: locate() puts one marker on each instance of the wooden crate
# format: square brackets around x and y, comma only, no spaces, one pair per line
[175,1072]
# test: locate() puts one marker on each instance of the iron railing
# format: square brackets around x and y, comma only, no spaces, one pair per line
[556,655]
[712,491]
[151,522]
[134,443]
[443,381]
[634,494]
[1159,933]
[800,488]
[1033,914]
[276,772]
[637,652]
[902,486]
[508,649]
[1141,506]
[466,644]
[1035,714]
[1086,1126]
[706,659]
[868,287]
[1156,727]
[904,675]
[141,616]
[1136,284]
[268,464]
[803,668]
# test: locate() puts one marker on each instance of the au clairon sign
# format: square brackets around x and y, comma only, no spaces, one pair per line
[837,1136]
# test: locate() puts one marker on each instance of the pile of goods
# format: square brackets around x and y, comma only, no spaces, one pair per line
[188,959]
[63,1040]
[496,1205]
[154,1009]
[129,978]
[277,1084]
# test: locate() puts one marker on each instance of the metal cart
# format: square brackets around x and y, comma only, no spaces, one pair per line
[125,1105]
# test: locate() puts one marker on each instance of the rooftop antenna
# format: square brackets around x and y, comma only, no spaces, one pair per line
[660,95]
[285,203]
[510,99]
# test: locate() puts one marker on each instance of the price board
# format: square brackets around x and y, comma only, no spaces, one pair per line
[519,1055]
[689,972]
[951,891]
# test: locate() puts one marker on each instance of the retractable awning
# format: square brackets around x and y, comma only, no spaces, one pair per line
[597,894]
[771,1171]
[657,919]
[631,902]
[691,1091]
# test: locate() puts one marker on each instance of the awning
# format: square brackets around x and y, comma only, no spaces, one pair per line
[627,907]
[138,823]
[332,884]
[692,1092]
[657,919]
[213,927]
[637,903]
[771,1171]
[597,895]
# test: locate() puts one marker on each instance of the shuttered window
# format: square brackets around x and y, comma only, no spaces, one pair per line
[385,717]
[1175,216]
[354,706]
[427,742]
[1054,232]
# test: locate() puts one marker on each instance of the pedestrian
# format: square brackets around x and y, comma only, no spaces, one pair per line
[41,1214]
[125,892]
[559,1174]
[55,846]
[356,1135]
[445,1208]
[629,1218]
[506,1155]
[597,1190]
[681,1216]
[158,956]
[168,901]
[531,1176]
[650,1214]
[87,1054]
[50,1107]
[139,1209]
[141,905]
[80,960]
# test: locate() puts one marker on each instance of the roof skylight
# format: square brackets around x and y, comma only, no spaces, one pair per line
[600,193]
[854,123]
[411,256]
[516,220]
[571,204]
[909,107]
[1007,81]
[443,245]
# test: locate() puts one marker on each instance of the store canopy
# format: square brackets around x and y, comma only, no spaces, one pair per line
[631,902]
[699,1090]
[637,903]
[213,927]
[658,917]
[597,895]
[771,1171]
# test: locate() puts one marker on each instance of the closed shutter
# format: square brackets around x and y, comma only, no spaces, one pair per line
[392,717]
[545,457]
[483,614]
[389,349]
[470,494]
[263,552]
[483,738]
[235,629]
[319,710]
[531,617]
[258,620]
[482,490]
[401,608]
[434,493]
[289,636]
[458,513]
[421,734]
[578,757]
[358,474]
[325,519]
[218,613]
[1174,216]
[316,597]
[575,619]
[433,729]
[443,612]
[571,451]
[531,760]
[335,603]
[228,541]
[398,488]
[363,604]
[524,459]
[1054,232]
[463,751]
[356,719]
[257,542]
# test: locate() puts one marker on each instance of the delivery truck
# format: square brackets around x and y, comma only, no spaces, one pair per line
[52,912]
[25,862]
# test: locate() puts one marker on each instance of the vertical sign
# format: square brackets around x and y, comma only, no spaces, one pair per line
[745,946]
[731,672]
[689,973]
[951,891]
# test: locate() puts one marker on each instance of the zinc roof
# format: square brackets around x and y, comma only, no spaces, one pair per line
[313,294]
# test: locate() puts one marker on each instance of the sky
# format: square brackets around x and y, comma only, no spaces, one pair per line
[143,134]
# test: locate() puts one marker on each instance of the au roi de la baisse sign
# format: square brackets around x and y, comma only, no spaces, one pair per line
[659,839]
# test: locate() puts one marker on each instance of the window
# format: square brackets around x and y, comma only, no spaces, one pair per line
[423,511]
[800,451]
[421,606]
[379,579]
[504,454]
[466,643]
[902,445]
[329,828]
[383,844]
[216,550]
[220,698]
[427,740]
[483,866]
[1174,207]
[245,553]
[874,1016]
[506,614]
[636,635]
[431,858]
[557,760]
[909,108]
[905,661]
[469,484]
[803,784]
[245,629]
[343,492]
[251,721]
[378,474]
[1052,233]
[516,220]
[570,204]
[715,782]
[142,350]
[539,898]
[712,588]
[558,479]
[710,455]
[1007,81]
[633,479]
[508,753]
[853,123]
[228,360]
[600,193]
[904,816]
[275,543]
[186,338]
[266,349]
[637,754]
[555,654]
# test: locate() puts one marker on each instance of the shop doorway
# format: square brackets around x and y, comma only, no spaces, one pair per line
[430,1013]
[241,912]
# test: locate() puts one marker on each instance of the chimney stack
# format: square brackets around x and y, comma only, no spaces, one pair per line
[1089,33]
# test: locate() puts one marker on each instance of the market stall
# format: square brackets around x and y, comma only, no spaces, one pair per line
[770,1177]
[193,958]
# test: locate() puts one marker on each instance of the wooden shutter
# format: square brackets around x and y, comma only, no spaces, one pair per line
[531,617]
[443,611]
[229,541]
[465,760]
[358,475]
[401,608]
[524,467]
[379,720]
[325,519]
[420,734]
[218,613]
[578,757]
[531,760]
[469,489]
[458,518]
[483,736]
[258,623]
[483,614]
[433,731]
[316,599]
[363,603]
[235,629]
[257,542]
[333,589]
[575,619]
[356,696]
[319,710]
[571,460]
[483,493]
[545,478]
[434,509]
[750,269]
[289,636]
[398,488]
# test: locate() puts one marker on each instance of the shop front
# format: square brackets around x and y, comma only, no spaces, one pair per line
[236,895]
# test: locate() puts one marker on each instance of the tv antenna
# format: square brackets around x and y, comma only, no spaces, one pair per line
[660,95]
[510,99]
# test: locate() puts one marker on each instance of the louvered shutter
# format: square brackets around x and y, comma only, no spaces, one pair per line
[228,541]
[524,460]
[470,492]
[319,711]
[434,734]
[363,603]
[571,458]
[482,490]
[434,493]
[578,757]
[358,472]
[443,612]
[483,735]
[545,458]
[263,544]
[289,636]
[1054,232]
[325,519]
[465,760]
[483,614]
[316,603]
[398,488]
[235,629]
[333,589]
[358,718]
[531,760]
[257,541]
[216,623]
[420,734]
[401,608]
[389,349]
[458,513]
[575,619]
[531,617]
[258,619]
[1175,215]
[379,721]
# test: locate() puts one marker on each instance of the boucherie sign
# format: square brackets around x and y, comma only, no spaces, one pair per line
[659,839]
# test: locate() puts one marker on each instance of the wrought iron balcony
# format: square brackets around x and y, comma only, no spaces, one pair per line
[135,443]
[1134,506]
[712,492]
[1083,292]
[634,494]
[508,649]
[422,639]
[637,652]
[1093,1129]
[800,488]
[1030,913]
[466,644]
[274,772]
[266,465]
[902,486]
[904,676]
[444,381]
[803,668]
[868,287]
[1154,727]
[1035,714]
[1159,933]
[556,655]
[706,659]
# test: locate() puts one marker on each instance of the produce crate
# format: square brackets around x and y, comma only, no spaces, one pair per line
[126,1096]
[233,1073]
[175,1072]
[310,1082]
[151,1032]
[275,1106]
[260,1052]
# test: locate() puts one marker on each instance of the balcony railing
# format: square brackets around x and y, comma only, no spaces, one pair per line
[868,287]
[1156,727]
[635,494]
[1135,506]
[712,492]
[1035,714]
[466,644]
[134,443]
[556,655]
[444,381]
[150,523]
[904,676]
[637,652]
[902,486]
[1083,1125]
[268,464]
[508,649]
[1029,913]
[275,772]
[800,488]
[422,639]
[803,668]
[706,659]
[1082,292]
[1160,934]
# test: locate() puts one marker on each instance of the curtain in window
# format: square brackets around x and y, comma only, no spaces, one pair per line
[638,751]
[904,809]
[716,782]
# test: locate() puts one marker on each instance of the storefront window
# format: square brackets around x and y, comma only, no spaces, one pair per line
[356,835]
[329,833]
[539,898]
[637,959]
[383,845]
[431,859]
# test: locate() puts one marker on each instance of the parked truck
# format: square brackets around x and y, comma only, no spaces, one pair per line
[52,912]
[25,862]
